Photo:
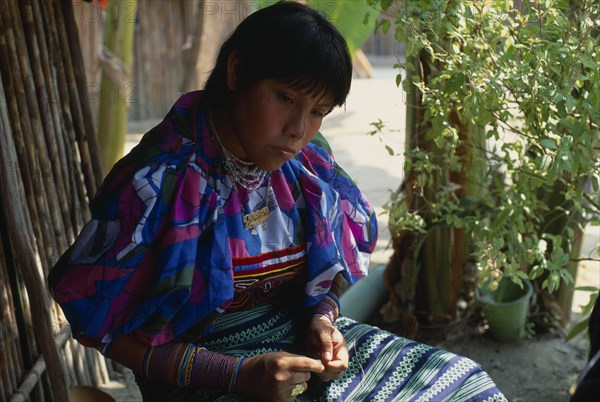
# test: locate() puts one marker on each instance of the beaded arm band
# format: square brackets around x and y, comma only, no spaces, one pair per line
[329,306]
[193,366]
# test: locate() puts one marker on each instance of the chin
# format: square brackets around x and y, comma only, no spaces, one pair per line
[272,166]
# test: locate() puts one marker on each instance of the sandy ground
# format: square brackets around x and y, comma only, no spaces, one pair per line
[541,369]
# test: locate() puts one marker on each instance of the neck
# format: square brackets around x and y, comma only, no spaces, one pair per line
[223,128]
[243,173]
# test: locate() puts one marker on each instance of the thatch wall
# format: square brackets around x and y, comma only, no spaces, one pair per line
[174,47]
[49,169]
[175,42]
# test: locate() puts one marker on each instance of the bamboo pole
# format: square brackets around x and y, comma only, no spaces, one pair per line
[31,380]
[92,366]
[91,139]
[64,163]
[8,340]
[35,374]
[47,141]
[55,182]
[75,159]
[26,161]
[84,363]
[70,363]
[54,114]
[79,360]
[7,379]
[21,233]
[75,103]
[9,69]
[9,333]
[37,138]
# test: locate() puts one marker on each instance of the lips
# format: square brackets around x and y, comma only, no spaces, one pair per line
[288,151]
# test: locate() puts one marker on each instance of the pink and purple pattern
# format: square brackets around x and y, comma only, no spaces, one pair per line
[156,258]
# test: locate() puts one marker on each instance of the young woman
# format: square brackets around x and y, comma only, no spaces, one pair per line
[214,260]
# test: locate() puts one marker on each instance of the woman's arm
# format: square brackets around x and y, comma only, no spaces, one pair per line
[180,364]
[329,306]
[269,377]
[323,340]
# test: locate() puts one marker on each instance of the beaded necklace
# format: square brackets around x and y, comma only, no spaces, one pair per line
[247,175]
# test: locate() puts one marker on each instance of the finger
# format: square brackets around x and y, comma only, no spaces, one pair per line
[327,376]
[303,363]
[336,366]
[326,346]
[340,353]
[299,377]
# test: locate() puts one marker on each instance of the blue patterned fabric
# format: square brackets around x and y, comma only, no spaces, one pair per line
[157,258]
[383,367]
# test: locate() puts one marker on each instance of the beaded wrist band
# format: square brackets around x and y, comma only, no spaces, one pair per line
[234,377]
[329,307]
[193,366]
[214,370]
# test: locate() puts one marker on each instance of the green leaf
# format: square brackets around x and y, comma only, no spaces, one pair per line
[522,275]
[407,86]
[398,80]
[577,329]
[385,26]
[587,288]
[587,62]
[548,143]
[385,4]
[455,83]
[411,48]
[348,17]
[536,272]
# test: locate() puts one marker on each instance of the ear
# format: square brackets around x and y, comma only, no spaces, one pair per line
[232,71]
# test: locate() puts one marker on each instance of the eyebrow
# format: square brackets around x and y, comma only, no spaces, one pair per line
[321,102]
[319,96]
[329,106]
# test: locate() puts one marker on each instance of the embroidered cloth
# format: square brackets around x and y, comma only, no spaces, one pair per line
[157,258]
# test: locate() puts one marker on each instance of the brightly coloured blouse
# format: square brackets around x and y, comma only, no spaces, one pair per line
[167,250]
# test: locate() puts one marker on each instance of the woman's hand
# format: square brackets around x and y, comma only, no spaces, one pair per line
[326,343]
[271,377]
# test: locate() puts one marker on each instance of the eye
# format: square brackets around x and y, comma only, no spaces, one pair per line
[319,113]
[286,98]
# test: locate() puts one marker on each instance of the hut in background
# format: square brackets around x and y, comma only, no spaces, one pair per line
[175,43]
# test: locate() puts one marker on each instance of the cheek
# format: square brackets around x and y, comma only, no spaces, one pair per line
[312,131]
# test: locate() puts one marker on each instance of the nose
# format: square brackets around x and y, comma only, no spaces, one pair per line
[296,124]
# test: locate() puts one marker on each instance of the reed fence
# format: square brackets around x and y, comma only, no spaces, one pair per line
[49,170]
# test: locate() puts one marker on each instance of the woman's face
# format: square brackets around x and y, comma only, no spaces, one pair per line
[272,122]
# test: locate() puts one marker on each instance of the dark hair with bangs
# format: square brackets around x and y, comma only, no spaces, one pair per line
[288,42]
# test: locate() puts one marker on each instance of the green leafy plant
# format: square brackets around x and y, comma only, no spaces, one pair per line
[502,134]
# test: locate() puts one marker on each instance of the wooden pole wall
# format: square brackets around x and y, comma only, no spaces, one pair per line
[49,169]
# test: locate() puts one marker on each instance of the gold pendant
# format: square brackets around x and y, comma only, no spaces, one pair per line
[257,217]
